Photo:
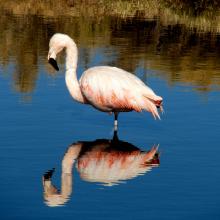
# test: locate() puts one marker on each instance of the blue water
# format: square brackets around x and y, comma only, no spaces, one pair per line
[38,127]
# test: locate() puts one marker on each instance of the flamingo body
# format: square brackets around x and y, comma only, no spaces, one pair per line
[111,89]
[107,162]
[108,89]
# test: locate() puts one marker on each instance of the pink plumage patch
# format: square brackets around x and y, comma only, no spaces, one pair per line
[110,101]
[122,104]
[121,160]
[111,158]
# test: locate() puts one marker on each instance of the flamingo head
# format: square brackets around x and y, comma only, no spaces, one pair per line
[57,43]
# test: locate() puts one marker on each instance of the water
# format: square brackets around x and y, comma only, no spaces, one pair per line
[40,122]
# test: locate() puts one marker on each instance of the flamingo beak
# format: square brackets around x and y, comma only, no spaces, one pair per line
[52,58]
[53,62]
[48,175]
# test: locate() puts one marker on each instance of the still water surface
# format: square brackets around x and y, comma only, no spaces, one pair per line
[42,127]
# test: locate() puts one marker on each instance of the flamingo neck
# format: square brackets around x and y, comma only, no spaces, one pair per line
[71,76]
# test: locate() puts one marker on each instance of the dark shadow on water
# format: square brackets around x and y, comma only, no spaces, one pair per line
[103,161]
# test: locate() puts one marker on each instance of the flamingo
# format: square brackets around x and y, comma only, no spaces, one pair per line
[108,162]
[106,88]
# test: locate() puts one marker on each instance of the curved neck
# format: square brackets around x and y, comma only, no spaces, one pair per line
[51,194]
[71,55]
[71,77]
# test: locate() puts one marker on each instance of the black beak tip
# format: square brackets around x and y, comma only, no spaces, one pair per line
[53,62]
[49,174]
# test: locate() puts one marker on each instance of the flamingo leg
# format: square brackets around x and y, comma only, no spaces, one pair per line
[116,121]
[115,136]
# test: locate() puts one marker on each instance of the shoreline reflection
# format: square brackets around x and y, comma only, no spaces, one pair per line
[174,52]
[103,161]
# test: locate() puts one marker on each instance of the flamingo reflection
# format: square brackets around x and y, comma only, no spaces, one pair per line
[108,162]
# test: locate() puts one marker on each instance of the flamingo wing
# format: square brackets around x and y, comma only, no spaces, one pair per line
[112,89]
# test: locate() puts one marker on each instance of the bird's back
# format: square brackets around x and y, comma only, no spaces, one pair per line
[108,72]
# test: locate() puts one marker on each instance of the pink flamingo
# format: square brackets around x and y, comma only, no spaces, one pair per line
[103,161]
[108,89]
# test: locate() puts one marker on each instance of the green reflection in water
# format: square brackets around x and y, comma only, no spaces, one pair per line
[179,39]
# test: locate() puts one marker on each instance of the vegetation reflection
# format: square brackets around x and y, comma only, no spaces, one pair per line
[108,162]
[179,39]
